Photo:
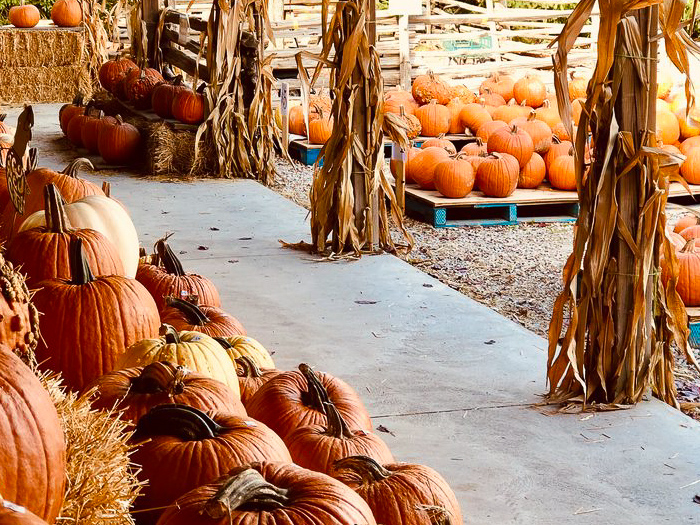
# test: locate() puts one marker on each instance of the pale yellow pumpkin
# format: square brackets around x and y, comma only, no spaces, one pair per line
[193,350]
[243,346]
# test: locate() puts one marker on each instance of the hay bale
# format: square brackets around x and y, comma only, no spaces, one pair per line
[101,486]
[43,65]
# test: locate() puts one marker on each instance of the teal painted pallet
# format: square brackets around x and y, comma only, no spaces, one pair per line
[444,213]
[694,325]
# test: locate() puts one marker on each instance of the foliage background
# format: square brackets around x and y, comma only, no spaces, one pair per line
[43,5]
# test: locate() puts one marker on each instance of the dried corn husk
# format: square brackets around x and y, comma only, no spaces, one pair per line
[353,157]
[607,357]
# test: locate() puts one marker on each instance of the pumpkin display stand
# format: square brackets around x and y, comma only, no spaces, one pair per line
[543,204]
[43,64]
[168,148]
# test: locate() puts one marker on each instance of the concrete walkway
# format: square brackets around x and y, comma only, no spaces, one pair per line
[451,379]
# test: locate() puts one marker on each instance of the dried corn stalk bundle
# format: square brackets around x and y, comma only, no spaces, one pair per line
[353,157]
[624,319]
[241,123]
[97,22]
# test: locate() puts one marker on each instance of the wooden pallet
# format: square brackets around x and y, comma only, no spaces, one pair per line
[694,325]
[543,204]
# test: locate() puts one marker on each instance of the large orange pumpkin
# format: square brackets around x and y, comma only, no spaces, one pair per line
[164,94]
[684,222]
[500,84]
[251,377]
[540,132]
[118,142]
[534,172]
[487,128]
[530,90]
[401,493]
[430,87]
[434,119]
[294,399]
[421,168]
[67,13]
[691,232]
[473,116]
[42,252]
[321,128]
[181,448]
[114,70]
[139,87]
[104,314]
[132,392]
[497,175]
[688,144]
[24,15]
[454,178]
[33,451]
[205,319]
[667,128]
[318,447]
[690,169]
[548,114]
[510,111]
[688,285]
[189,106]
[297,124]
[514,141]
[167,277]
[269,494]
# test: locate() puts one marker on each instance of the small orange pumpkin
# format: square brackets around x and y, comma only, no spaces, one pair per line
[188,107]
[441,142]
[67,13]
[487,128]
[473,116]
[474,148]
[686,221]
[534,172]
[24,15]
[454,178]
[463,93]
[690,169]
[429,87]
[562,172]
[548,114]
[667,127]
[688,144]
[493,99]
[558,148]
[456,106]
[434,119]
[540,132]
[577,86]
[497,175]
[688,285]
[320,129]
[421,168]
[530,90]
[510,111]
[499,84]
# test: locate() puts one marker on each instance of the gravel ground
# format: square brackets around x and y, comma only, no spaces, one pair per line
[515,270]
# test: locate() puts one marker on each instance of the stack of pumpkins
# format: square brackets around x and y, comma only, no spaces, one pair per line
[320,119]
[684,237]
[220,434]
[145,88]
[115,140]
[520,139]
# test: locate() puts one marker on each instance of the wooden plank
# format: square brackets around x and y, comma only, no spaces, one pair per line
[404,54]
[543,195]
[185,62]
[196,23]
[170,35]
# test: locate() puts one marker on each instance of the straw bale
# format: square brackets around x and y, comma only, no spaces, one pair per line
[101,483]
[43,84]
[50,47]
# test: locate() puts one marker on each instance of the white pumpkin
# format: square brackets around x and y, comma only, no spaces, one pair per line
[107,217]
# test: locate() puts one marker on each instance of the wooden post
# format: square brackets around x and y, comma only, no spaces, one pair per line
[634,101]
[284,112]
[398,154]
[493,31]
[276,9]
[404,54]
[150,11]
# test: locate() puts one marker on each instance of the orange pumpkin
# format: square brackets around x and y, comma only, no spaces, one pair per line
[691,232]
[297,125]
[476,160]
[497,175]
[548,114]
[456,106]
[688,144]
[690,124]
[188,107]
[561,132]
[690,169]
[429,87]
[473,116]
[688,285]
[540,133]
[686,221]
[664,84]
[474,148]
[393,105]
[454,178]
[421,169]
[441,142]
[320,129]
[667,128]
[499,84]
[487,128]
[562,172]
[493,99]
[24,15]
[530,90]
[514,141]
[510,111]
[463,93]
[558,148]
[434,119]
[67,13]
[413,127]
[577,86]
[533,174]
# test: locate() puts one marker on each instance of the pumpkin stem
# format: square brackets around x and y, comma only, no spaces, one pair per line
[532,116]
[177,81]
[336,427]
[180,421]
[316,395]
[402,110]
[556,139]
[224,343]
[3,116]
[151,379]
[107,189]
[245,487]
[192,312]
[167,257]
[365,467]
[248,367]
[171,335]
[54,213]
[78,100]
[119,119]
[437,515]
[689,246]
[72,169]
[79,268]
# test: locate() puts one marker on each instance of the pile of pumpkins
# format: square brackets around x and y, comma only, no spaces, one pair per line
[64,13]
[320,119]
[115,140]
[220,434]
[146,89]
[520,139]
[684,237]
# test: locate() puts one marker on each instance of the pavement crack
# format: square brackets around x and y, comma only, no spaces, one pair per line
[452,410]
